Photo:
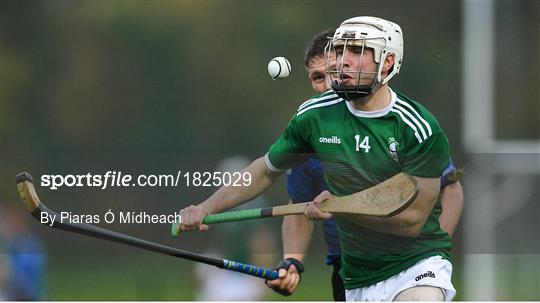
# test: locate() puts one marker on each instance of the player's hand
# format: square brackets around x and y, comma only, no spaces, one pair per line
[290,274]
[192,218]
[312,210]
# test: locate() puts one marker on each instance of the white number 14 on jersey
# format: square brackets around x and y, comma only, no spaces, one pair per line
[364,144]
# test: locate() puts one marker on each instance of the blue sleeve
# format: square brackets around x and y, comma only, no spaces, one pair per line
[306,181]
[448,171]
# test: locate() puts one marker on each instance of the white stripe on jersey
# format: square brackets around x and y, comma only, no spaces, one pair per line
[271,166]
[417,114]
[416,122]
[409,124]
[318,105]
[311,101]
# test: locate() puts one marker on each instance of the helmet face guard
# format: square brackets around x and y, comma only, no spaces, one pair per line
[355,37]
[367,82]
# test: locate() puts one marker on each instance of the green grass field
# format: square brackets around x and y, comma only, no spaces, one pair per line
[154,277]
[149,277]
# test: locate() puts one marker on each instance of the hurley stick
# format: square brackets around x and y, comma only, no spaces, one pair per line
[385,199]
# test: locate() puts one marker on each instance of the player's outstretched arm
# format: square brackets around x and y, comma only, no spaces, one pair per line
[296,233]
[229,196]
[407,223]
[452,206]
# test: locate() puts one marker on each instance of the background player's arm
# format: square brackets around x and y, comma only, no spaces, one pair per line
[230,196]
[452,206]
[296,233]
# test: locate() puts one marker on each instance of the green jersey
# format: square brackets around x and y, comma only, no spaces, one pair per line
[359,150]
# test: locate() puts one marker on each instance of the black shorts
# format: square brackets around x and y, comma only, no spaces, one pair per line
[338,290]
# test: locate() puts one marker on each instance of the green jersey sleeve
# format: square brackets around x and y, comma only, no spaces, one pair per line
[290,149]
[428,158]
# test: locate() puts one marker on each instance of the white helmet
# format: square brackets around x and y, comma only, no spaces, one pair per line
[382,36]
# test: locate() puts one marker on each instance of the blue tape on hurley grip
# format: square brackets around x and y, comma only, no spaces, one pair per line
[251,270]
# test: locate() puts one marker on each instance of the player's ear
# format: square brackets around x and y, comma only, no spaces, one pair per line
[388,63]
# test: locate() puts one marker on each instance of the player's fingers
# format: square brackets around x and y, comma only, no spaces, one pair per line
[188,214]
[200,214]
[325,216]
[273,283]
[193,218]
[201,218]
[307,211]
[325,195]
[314,213]
[295,278]
[279,281]
[320,215]
[292,269]
[196,219]
[288,278]
[184,216]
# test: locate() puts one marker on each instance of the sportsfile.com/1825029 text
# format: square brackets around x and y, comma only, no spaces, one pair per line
[119,179]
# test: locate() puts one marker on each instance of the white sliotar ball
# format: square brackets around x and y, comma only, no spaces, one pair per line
[279,68]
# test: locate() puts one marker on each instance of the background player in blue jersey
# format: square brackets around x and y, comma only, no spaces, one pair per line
[306,181]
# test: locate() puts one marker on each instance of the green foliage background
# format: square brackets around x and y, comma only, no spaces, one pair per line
[161,86]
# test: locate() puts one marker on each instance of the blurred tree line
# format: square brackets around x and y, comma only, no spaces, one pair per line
[90,86]
[155,87]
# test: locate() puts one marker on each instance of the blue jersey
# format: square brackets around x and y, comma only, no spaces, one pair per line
[26,262]
[306,181]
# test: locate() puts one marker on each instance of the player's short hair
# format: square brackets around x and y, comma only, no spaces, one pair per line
[316,46]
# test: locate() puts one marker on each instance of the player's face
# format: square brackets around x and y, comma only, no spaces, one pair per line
[356,65]
[317,73]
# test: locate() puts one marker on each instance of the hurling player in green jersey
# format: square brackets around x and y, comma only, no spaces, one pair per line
[306,181]
[364,133]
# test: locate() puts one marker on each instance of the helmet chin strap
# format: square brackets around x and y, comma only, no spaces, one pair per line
[361,93]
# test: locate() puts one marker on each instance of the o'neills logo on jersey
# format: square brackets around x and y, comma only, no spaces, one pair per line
[428,274]
[333,140]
